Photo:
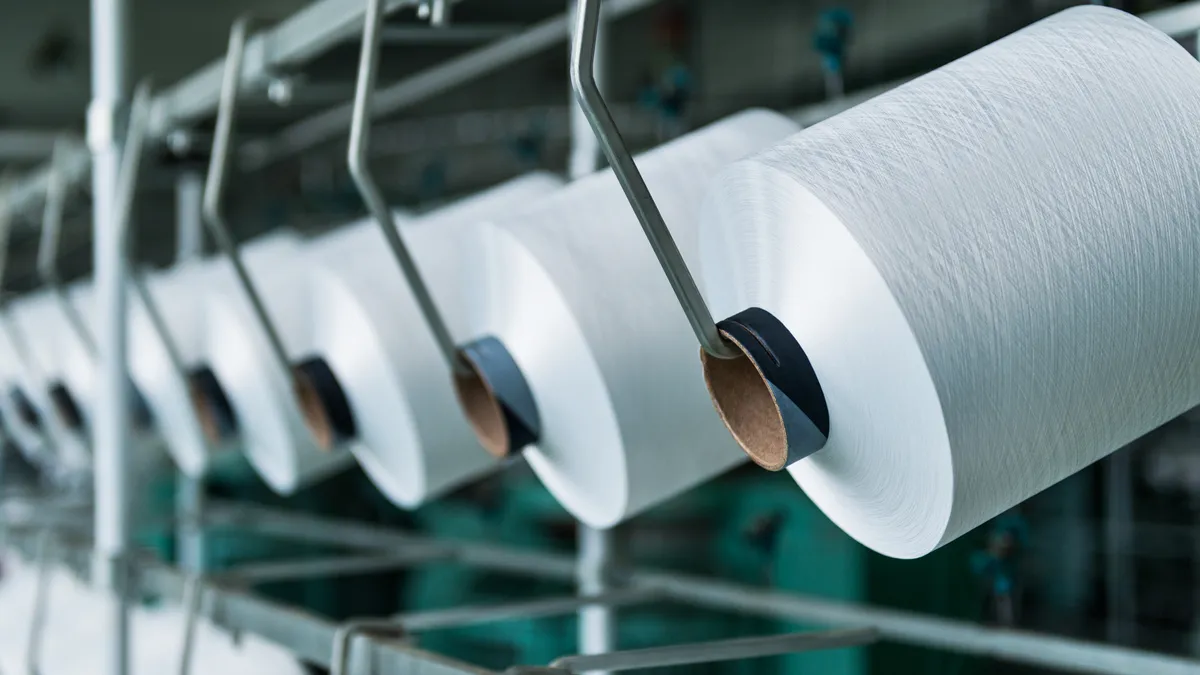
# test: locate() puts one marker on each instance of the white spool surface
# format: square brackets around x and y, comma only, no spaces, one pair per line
[272,430]
[413,441]
[993,270]
[573,290]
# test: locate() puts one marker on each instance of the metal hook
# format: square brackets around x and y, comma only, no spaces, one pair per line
[339,663]
[16,337]
[214,188]
[360,138]
[583,81]
[47,257]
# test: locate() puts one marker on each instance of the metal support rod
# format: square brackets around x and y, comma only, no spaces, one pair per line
[41,606]
[189,244]
[110,72]
[47,256]
[585,147]
[716,651]
[214,189]
[189,226]
[583,54]
[599,553]
[357,157]
[1119,577]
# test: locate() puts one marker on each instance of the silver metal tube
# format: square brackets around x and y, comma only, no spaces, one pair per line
[598,555]
[1119,578]
[189,244]
[357,157]
[41,606]
[583,82]
[189,225]
[717,651]
[110,87]
[585,147]
[214,189]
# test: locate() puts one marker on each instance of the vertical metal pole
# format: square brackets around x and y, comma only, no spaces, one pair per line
[1120,588]
[189,491]
[585,146]
[110,90]
[599,555]
[189,198]
[597,548]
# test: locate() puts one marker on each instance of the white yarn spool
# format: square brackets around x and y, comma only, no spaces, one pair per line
[178,296]
[15,383]
[573,290]
[270,424]
[993,270]
[411,437]
[52,344]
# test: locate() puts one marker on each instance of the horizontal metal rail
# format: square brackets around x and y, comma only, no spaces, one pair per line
[1048,651]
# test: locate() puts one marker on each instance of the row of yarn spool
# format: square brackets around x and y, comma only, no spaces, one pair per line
[989,273]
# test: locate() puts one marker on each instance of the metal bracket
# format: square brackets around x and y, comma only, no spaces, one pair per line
[214,188]
[360,139]
[583,82]
[340,660]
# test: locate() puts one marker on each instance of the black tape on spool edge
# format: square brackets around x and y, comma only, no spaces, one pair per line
[788,373]
[316,374]
[65,406]
[24,408]
[502,378]
[143,418]
[218,417]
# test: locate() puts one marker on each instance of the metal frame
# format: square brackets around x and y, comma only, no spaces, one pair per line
[312,638]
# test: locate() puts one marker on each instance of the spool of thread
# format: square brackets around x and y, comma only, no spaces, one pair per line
[573,292]
[22,422]
[51,343]
[375,354]
[991,269]
[259,390]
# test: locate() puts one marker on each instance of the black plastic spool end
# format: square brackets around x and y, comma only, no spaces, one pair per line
[326,409]
[496,398]
[212,405]
[777,411]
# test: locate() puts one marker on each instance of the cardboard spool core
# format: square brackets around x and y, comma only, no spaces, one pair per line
[25,410]
[211,406]
[483,411]
[323,403]
[65,406]
[747,406]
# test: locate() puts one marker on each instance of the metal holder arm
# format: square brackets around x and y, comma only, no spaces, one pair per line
[47,257]
[214,187]
[583,81]
[15,336]
[360,139]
